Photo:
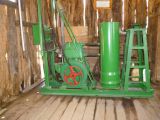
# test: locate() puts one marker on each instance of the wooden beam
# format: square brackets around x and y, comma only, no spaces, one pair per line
[9,3]
[13,57]
[25,24]
[157,56]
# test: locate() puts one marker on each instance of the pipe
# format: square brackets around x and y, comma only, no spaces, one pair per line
[110,70]
[21,25]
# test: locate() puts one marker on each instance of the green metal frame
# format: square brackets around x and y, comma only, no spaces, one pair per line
[47,32]
[143,63]
[98,92]
[52,87]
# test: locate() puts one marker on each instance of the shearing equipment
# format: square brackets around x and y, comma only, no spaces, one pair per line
[67,71]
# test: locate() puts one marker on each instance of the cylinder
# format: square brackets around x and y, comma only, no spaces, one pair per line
[110,60]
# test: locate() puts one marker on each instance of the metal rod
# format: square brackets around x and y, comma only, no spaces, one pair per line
[40,25]
[62,33]
[67,25]
[21,25]
[43,53]
[53,8]
[62,38]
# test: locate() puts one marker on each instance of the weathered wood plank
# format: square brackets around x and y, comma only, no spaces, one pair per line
[23,104]
[120,111]
[27,113]
[157,53]
[149,109]
[70,109]
[90,109]
[4,72]
[12,53]
[80,110]
[141,112]
[100,111]
[130,110]
[46,114]
[18,69]
[42,108]
[6,2]
[61,109]
[154,102]
[34,106]
[110,110]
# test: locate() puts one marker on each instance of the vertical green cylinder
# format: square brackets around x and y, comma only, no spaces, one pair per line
[110,61]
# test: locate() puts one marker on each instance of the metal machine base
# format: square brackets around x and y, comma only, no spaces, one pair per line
[98,92]
[67,70]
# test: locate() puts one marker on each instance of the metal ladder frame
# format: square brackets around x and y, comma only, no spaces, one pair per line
[144,72]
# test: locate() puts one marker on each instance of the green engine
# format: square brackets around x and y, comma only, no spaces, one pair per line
[74,70]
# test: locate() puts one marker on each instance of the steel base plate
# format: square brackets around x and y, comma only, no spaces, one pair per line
[98,92]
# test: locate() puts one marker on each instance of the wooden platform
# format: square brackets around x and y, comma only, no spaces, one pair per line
[33,106]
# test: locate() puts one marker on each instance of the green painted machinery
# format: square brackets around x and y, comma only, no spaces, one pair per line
[110,61]
[67,71]
[74,71]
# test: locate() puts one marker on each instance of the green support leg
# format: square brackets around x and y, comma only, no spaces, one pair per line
[143,66]
[140,52]
[128,60]
[46,69]
[146,61]
[125,58]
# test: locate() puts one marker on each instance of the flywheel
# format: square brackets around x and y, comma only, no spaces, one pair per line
[74,74]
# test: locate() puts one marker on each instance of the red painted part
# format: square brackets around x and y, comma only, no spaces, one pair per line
[72,76]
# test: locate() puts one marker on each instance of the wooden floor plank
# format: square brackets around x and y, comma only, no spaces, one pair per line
[28,114]
[110,110]
[34,106]
[129,108]
[90,109]
[42,108]
[141,112]
[21,105]
[155,105]
[61,109]
[120,112]
[79,112]
[70,109]
[48,111]
[100,111]
[149,109]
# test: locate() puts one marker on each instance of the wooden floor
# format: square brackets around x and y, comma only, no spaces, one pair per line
[34,106]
